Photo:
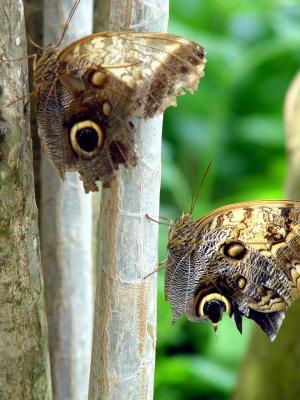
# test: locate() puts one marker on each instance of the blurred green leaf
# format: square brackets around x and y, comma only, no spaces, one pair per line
[198,373]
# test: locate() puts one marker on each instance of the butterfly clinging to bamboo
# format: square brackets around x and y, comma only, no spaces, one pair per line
[88,94]
[243,259]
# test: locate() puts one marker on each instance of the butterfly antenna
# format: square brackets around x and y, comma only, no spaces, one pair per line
[72,12]
[194,182]
[194,201]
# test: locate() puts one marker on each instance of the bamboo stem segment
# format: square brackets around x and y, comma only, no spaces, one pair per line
[66,233]
[124,337]
[25,370]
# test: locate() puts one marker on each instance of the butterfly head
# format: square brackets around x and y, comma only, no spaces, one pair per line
[182,235]
[44,63]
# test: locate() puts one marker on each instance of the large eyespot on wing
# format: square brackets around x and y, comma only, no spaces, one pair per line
[156,66]
[86,138]
[212,306]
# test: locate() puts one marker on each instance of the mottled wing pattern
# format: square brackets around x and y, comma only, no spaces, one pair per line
[180,272]
[107,79]
[156,66]
[67,100]
[260,282]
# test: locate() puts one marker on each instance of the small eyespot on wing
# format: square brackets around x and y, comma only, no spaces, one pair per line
[156,66]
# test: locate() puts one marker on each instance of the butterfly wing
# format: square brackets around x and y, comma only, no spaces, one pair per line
[88,94]
[156,66]
[79,129]
[247,253]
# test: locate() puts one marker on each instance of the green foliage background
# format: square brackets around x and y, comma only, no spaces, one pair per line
[234,120]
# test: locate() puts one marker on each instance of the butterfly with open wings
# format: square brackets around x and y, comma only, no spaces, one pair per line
[243,259]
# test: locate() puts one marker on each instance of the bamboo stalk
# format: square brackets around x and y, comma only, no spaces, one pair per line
[66,243]
[292,123]
[124,337]
[25,371]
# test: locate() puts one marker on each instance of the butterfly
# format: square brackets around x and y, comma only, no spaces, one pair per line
[88,94]
[243,259]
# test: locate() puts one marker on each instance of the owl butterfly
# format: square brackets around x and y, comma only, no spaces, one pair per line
[88,93]
[243,259]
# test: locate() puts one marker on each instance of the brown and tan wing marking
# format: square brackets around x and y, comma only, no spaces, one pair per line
[243,258]
[89,93]
[156,66]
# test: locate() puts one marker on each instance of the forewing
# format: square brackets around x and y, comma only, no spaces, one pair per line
[156,66]
[269,228]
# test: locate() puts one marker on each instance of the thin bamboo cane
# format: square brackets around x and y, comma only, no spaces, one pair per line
[66,216]
[125,311]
